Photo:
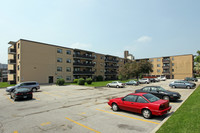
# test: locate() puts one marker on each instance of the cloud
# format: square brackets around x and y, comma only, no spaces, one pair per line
[79,45]
[144,39]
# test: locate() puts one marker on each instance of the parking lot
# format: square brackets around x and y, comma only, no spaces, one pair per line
[77,109]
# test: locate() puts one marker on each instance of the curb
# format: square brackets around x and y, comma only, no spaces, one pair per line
[156,129]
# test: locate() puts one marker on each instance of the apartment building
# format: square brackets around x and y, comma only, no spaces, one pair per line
[45,63]
[173,67]
[3,72]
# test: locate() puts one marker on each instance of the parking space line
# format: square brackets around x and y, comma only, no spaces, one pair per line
[44,124]
[82,125]
[15,132]
[51,94]
[36,98]
[127,116]
[9,99]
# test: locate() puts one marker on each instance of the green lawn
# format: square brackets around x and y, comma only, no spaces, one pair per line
[186,119]
[96,84]
[5,84]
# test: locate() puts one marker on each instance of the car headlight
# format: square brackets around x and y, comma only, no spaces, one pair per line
[175,95]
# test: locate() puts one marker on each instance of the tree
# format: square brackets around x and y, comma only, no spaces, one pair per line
[197,62]
[135,69]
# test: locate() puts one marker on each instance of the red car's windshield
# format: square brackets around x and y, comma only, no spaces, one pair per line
[151,97]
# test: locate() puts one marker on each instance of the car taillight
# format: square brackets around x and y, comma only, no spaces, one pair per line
[29,93]
[19,94]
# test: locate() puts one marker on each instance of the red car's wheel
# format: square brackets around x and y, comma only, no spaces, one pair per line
[115,107]
[146,113]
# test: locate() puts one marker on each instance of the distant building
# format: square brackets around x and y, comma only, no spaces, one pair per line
[128,56]
[3,72]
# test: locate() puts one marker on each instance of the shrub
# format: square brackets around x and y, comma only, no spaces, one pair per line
[81,81]
[99,78]
[75,80]
[60,82]
[89,81]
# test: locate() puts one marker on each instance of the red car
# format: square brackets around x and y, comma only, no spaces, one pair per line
[143,103]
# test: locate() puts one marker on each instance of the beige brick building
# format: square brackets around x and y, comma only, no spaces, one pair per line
[45,63]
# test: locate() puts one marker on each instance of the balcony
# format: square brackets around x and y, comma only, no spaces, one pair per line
[165,67]
[110,73]
[166,72]
[109,66]
[84,64]
[111,60]
[11,61]
[83,72]
[11,51]
[11,71]
[90,57]
[166,61]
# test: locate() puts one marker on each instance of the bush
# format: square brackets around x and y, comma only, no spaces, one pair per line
[75,80]
[60,82]
[99,78]
[89,81]
[81,81]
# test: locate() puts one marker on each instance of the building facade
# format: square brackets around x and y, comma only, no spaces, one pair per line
[173,67]
[3,72]
[45,63]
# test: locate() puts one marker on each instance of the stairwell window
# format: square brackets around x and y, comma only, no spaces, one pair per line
[68,69]
[59,69]
[68,52]
[59,50]
[68,61]
[59,59]
[68,78]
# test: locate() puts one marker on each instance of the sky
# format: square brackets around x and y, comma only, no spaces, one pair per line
[146,28]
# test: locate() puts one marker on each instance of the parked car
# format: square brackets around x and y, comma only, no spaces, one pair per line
[160,92]
[182,84]
[21,93]
[191,79]
[144,81]
[116,84]
[32,85]
[132,82]
[152,80]
[143,103]
[162,78]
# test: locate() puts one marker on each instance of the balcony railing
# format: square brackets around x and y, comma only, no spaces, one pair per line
[84,64]
[11,51]
[110,60]
[12,71]
[11,61]
[83,56]
[110,73]
[108,66]
[83,72]
[166,72]
[166,61]
[165,67]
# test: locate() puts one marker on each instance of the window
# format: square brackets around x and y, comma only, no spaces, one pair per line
[153,89]
[68,52]
[172,70]
[146,89]
[158,70]
[18,56]
[18,45]
[172,64]
[68,61]
[101,57]
[158,65]
[95,56]
[172,58]
[59,77]
[130,98]
[152,65]
[59,59]
[151,60]
[68,69]
[17,78]
[59,69]
[18,67]
[59,50]
[158,59]
[68,78]
[141,100]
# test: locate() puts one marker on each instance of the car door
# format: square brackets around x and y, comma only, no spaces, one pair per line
[182,84]
[140,104]
[177,84]
[154,91]
[146,89]
[129,103]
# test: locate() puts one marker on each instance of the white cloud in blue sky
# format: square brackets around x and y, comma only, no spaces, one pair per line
[144,39]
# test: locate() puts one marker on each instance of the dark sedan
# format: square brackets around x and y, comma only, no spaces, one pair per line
[132,82]
[191,79]
[21,93]
[160,92]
